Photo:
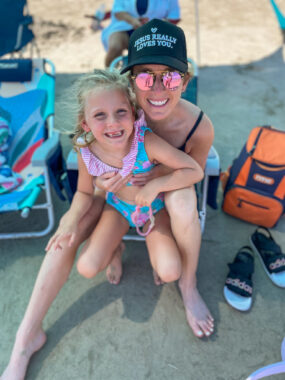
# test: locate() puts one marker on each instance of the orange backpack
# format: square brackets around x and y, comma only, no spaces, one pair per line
[254,186]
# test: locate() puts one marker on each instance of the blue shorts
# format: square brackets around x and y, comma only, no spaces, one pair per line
[126,209]
[130,32]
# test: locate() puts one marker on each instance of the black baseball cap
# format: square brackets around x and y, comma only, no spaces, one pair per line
[158,42]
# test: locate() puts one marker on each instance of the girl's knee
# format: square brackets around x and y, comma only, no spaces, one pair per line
[169,271]
[87,267]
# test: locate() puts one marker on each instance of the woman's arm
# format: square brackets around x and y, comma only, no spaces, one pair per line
[186,170]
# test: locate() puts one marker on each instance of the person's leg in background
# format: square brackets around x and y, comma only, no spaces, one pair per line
[118,42]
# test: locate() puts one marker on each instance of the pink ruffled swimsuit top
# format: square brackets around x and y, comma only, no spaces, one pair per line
[136,160]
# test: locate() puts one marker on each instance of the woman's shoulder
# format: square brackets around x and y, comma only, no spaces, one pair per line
[192,112]
[198,120]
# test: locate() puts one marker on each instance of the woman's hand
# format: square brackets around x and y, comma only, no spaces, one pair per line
[143,178]
[112,181]
[66,231]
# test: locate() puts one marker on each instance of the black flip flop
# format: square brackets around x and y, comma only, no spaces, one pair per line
[238,286]
[270,255]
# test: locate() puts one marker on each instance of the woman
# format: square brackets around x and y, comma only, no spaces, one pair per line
[126,16]
[155,50]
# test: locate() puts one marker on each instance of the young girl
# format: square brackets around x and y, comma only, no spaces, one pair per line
[110,139]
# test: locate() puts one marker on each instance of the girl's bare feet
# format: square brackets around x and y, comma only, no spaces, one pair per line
[21,355]
[157,280]
[114,270]
[197,313]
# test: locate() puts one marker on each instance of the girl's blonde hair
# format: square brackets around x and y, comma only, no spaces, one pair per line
[90,83]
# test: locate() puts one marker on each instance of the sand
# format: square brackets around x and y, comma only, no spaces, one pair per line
[231,32]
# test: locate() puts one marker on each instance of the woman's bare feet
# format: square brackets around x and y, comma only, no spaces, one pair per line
[197,313]
[114,270]
[21,355]
[157,280]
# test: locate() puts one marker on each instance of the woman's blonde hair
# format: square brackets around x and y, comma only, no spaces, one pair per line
[90,83]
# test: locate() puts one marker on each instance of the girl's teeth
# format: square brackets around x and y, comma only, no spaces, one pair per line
[157,102]
[114,134]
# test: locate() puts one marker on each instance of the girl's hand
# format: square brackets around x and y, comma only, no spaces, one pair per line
[65,231]
[112,181]
[145,196]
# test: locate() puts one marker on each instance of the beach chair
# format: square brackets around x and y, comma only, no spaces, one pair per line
[206,190]
[30,150]
[15,29]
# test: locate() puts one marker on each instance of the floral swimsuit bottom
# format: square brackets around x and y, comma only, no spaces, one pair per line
[127,209]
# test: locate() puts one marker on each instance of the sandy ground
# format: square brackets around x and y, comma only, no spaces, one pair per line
[233,32]
[136,330]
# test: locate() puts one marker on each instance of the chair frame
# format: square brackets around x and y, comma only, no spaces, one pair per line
[40,157]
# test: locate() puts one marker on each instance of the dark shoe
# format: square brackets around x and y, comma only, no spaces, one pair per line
[238,286]
[270,254]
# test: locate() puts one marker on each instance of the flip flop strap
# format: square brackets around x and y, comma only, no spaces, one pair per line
[275,263]
[245,269]
[239,284]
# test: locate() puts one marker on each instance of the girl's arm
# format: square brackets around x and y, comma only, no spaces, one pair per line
[83,196]
[186,170]
[81,203]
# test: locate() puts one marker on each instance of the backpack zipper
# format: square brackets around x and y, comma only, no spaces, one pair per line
[250,203]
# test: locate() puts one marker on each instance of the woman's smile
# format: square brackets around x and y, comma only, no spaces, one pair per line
[157,103]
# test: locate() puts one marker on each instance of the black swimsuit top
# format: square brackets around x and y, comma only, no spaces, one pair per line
[195,126]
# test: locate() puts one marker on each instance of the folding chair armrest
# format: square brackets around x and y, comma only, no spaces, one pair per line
[212,167]
[71,161]
[46,150]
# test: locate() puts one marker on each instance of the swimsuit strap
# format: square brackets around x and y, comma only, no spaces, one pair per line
[195,126]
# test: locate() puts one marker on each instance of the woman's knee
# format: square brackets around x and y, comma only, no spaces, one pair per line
[182,204]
